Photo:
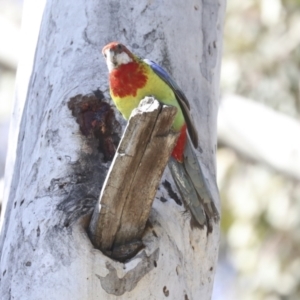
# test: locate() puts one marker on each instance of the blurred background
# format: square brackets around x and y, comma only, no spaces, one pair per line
[10,23]
[259,144]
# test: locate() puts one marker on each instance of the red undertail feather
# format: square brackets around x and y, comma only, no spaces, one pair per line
[127,79]
[180,145]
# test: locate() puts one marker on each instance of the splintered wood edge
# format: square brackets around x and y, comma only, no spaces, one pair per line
[129,189]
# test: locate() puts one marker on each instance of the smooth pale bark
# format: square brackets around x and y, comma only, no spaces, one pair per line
[31,19]
[58,171]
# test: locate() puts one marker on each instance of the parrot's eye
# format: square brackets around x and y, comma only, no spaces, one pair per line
[104,54]
[119,47]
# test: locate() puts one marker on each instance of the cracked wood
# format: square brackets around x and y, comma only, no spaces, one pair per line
[127,195]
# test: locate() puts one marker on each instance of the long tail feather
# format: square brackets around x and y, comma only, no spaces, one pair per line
[193,187]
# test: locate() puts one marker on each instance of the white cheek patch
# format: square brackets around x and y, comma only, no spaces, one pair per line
[123,58]
[115,60]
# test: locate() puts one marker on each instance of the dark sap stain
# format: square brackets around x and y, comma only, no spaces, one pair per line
[171,193]
[97,120]
[166,291]
[163,199]
[38,231]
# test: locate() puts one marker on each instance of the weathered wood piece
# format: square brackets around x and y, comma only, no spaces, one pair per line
[129,189]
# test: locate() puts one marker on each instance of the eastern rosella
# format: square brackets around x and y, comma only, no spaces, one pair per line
[131,79]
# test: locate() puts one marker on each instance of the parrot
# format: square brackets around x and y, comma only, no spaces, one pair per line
[130,80]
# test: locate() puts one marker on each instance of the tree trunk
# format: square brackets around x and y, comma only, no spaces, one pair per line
[61,162]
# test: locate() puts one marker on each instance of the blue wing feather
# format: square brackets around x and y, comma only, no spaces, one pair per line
[165,76]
